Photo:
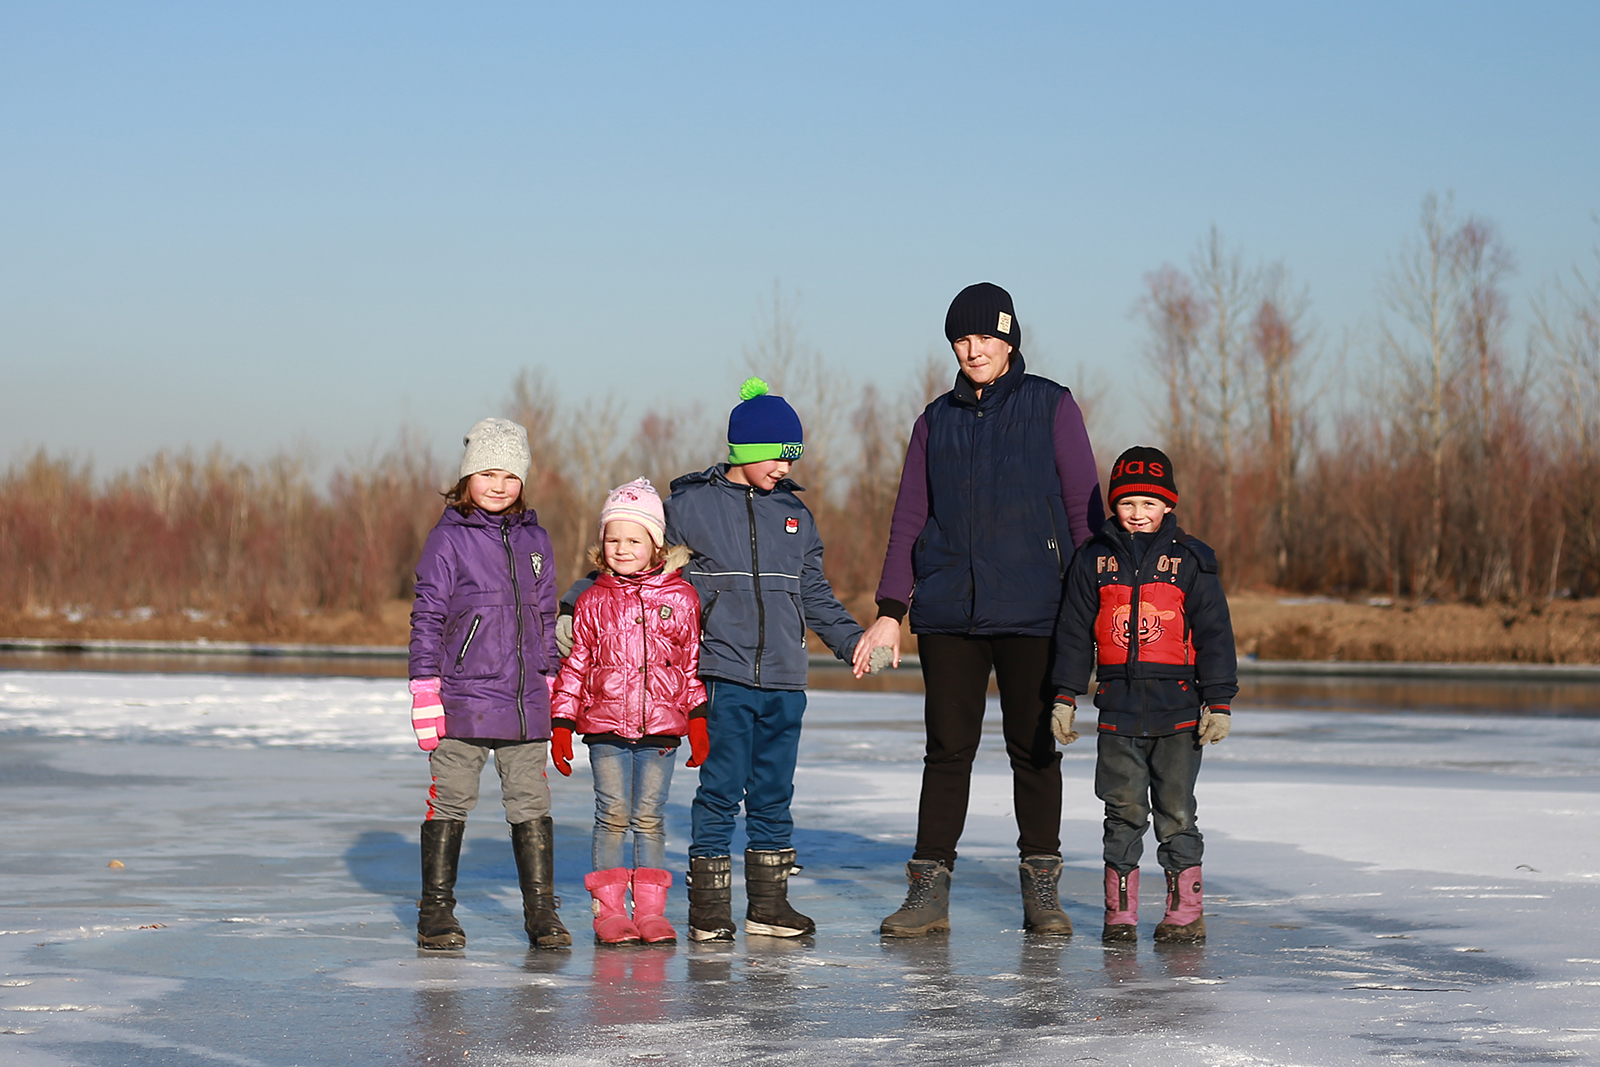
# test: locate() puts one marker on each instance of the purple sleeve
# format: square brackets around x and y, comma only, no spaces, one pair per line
[1080,478]
[549,605]
[910,516]
[435,579]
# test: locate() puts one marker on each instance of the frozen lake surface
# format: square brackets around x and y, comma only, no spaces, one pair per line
[1399,888]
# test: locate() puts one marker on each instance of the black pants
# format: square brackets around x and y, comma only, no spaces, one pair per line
[955,672]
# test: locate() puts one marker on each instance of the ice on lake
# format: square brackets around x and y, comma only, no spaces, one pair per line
[1407,888]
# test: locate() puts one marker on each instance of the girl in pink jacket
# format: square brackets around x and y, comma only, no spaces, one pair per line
[631,688]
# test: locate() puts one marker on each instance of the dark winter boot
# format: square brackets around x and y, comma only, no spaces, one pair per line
[710,882]
[1185,922]
[1122,907]
[532,843]
[927,906]
[436,911]
[766,890]
[1041,908]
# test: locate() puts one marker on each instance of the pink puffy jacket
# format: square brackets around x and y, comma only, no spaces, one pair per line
[635,654]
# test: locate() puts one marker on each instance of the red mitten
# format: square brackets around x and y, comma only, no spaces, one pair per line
[699,742]
[427,713]
[561,749]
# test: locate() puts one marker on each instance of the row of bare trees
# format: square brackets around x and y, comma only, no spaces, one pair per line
[1463,463]
[1451,463]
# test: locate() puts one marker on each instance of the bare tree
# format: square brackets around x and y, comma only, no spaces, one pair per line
[1175,315]
[1278,340]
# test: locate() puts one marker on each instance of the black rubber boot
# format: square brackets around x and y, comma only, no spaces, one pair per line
[436,911]
[927,906]
[1041,907]
[766,890]
[531,844]
[710,882]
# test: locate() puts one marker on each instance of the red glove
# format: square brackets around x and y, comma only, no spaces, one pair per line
[699,742]
[561,750]
[427,713]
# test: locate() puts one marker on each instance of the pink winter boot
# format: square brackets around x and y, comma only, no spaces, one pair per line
[1122,906]
[610,889]
[650,903]
[1184,923]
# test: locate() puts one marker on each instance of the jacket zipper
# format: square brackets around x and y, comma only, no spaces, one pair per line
[516,599]
[471,633]
[755,575]
[1133,635]
[644,665]
[1055,541]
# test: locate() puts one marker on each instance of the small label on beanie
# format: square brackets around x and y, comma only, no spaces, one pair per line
[1005,323]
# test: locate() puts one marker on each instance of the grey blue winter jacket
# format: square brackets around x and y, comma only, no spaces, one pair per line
[484,624]
[757,566]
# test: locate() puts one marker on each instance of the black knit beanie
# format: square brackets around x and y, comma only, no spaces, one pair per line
[984,308]
[1142,471]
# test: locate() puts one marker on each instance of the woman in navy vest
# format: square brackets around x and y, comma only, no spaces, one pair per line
[999,486]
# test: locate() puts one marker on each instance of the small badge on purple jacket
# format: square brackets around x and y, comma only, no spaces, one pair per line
[791,525]
[537,559]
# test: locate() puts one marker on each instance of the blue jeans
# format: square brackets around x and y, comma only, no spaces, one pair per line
[1137,775]
[630,793]
[755,741]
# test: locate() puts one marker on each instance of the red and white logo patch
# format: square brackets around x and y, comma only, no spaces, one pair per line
[791,525]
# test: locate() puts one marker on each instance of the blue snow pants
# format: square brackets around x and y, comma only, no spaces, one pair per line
[755,741]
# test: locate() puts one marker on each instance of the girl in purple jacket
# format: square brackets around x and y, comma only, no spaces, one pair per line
[483,658]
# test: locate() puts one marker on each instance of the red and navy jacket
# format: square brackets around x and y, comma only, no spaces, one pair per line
[1159,634]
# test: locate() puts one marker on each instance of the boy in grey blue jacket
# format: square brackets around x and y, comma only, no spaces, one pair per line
[757,564]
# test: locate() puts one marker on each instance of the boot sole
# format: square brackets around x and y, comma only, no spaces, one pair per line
[1119,934]
[767,930]
[1050,931]
[442,942]
[938,926]
[710,935]
[1181,935]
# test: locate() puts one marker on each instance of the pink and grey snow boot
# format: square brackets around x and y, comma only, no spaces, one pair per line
[1122,906]
[650,904]
[1184,923]
[610,890]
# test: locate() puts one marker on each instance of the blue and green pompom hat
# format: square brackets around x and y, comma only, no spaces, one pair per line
[763,426]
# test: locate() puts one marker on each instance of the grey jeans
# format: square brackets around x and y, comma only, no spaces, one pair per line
[457,765]
[1138,775]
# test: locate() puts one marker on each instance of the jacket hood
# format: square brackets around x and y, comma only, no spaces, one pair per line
[717,474]
[482,519]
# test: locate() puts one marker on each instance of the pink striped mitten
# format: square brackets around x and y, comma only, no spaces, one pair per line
[427,713]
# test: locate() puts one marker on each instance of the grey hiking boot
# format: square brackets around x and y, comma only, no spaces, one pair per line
[927,906]
[1041,908]
[766,888]
[710,881]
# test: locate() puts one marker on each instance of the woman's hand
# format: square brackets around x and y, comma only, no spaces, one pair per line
[885,633]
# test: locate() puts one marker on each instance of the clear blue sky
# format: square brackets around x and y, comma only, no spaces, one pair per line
[276,224]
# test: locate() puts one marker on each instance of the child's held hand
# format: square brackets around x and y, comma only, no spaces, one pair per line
[561,749]
[427,713]
[699,741]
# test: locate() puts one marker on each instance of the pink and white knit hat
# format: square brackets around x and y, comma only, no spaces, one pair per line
[636,501]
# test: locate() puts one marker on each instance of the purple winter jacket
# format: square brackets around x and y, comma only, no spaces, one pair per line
[484,623]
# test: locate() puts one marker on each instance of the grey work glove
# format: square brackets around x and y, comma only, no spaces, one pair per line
[881,657]
[1214,726]
[564,635]
[1061,719]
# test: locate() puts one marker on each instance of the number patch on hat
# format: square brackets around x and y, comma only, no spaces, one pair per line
[791,525]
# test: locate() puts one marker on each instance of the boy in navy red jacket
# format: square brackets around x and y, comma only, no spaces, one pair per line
[1144,604]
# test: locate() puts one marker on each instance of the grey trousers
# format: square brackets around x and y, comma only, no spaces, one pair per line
[1136,776]
[457,766]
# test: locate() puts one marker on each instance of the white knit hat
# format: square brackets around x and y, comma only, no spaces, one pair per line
[636,501]
[496,445]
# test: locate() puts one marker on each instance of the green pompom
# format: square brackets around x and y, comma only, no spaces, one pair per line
[752,388]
